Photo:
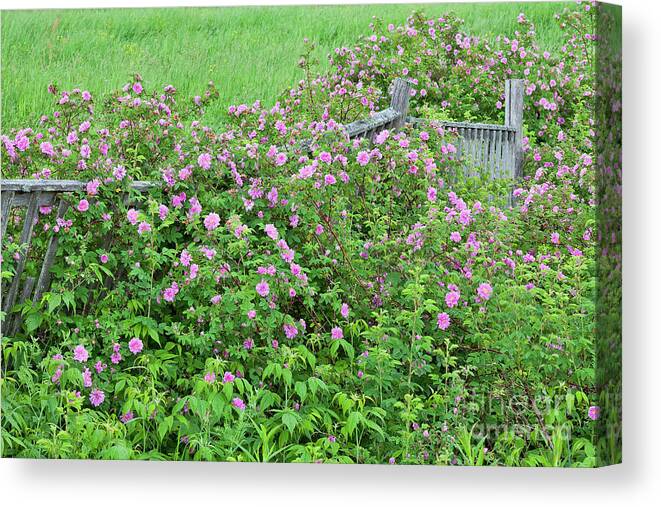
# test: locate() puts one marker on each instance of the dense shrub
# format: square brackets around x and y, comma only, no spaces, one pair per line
[343,304]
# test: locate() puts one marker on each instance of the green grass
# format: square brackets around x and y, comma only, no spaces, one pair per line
[250,52]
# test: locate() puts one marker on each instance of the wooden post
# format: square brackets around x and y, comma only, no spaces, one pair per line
[514,119]
[401,93]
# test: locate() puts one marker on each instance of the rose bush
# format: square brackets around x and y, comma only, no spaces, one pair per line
[284,293]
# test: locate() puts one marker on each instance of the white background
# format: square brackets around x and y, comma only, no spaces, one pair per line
[636,482]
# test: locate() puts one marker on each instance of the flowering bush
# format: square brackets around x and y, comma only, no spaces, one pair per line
[284,293]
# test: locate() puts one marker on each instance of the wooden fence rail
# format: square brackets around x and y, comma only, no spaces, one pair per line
[494,148]
[392,118]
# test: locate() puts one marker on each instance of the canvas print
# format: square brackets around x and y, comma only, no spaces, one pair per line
[252,234]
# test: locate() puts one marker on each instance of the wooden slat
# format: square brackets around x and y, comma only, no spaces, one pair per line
[26,238]
[482,156]
[507,153]
[473,151]
[485,153]
[393,117]
[466,152]
[493,166]
[49,257]
[492,154]
[498,152]
[513,156]
[497,149]
[483,147]
[459,144]
[6,204]
[476,154]
[501,153]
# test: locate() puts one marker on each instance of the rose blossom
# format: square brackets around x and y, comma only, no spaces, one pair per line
[135,345]
[484,291]
[262,288]
[96,397]
[443,321]
[212,221]
[80,354]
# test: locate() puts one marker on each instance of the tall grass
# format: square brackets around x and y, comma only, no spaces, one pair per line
[250,52]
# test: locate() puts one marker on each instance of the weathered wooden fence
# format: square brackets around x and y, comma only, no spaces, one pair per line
[31,195]
[494,148]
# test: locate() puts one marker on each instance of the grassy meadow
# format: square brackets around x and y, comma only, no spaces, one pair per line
[250,52]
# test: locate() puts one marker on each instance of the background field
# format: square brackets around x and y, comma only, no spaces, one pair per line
[250,52]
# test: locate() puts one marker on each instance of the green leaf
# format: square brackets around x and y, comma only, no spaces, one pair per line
[289,420]
[54,301]
[33,321]
[352,423]
[228,390]
[348,348]
[118,452]
[69,300]
[164,426]
[301,389]
[313,382]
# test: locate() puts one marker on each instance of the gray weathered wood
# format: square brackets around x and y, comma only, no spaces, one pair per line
[501,136]
[482,146]
[26,238]
[49,257]
[514,119]
[473,153]
[401,94]
[27,289]
[5,203]
[508,167]
[492,154]
[393,117]
[22,199]
[484,161]
[377,121]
